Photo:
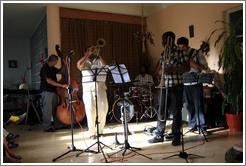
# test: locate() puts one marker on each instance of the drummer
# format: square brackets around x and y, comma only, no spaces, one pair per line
[143,80]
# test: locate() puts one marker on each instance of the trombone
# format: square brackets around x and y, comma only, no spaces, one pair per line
[100,43]
[165,60]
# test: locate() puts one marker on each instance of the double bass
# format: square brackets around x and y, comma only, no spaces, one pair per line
[63,112]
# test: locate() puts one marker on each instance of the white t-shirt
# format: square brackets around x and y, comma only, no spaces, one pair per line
[143,80]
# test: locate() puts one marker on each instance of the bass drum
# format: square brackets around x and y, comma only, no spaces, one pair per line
[132,106]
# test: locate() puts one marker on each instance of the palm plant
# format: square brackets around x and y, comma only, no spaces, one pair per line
[231,61]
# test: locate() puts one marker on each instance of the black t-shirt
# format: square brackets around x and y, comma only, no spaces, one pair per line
[48,72]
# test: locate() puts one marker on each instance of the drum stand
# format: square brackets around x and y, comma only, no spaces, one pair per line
[127,146]
[150,110]
[72,148]
[98,142]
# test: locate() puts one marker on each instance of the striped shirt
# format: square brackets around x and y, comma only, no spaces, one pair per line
[198,57]
[177,59]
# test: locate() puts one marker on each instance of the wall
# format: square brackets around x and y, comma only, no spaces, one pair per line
[53,28]
[16,49]
[38,47]
[179,17]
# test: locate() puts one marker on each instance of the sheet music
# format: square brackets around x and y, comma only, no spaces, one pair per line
[101,77]
[116,74]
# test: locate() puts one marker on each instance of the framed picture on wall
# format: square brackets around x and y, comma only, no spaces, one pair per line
[12,64]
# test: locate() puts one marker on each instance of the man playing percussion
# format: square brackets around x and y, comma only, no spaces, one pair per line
[173,80]
[89,99]
[193,91]
[144,79]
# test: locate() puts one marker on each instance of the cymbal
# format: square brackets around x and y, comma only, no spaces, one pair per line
[120,84]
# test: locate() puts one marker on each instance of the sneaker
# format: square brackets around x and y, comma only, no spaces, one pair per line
[156,139]
[169,135]
[63,127]
[50,130]
[176,142]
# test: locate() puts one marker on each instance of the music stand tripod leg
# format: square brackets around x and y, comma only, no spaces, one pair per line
[200,129]
[27,115]
[36,113]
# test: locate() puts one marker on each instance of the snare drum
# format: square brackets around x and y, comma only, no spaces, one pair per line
[135,91]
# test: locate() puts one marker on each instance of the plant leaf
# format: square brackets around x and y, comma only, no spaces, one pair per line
[219,38]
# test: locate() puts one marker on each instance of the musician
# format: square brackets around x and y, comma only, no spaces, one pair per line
[143,79]
[49,97]
[193,92]
[178,64]
[84,63]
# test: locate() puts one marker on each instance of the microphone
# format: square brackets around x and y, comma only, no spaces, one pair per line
[71,53]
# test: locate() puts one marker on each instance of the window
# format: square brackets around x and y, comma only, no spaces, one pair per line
[232,16]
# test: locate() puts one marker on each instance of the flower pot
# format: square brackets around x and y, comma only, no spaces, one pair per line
[235,122]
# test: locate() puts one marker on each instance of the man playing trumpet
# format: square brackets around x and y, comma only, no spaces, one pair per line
[172,80]
[84,64]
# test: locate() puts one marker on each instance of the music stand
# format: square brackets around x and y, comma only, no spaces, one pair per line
[95,74]
[72,148]
[123,76]
[198,78]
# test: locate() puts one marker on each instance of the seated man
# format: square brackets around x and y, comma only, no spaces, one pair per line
[143,79]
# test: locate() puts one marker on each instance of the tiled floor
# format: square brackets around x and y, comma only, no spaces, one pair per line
[36,146]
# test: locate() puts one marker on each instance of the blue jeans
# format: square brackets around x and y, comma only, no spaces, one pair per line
[50,103]
[193,96]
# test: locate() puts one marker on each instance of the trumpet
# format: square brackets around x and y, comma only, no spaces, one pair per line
[100,43]
[165,59]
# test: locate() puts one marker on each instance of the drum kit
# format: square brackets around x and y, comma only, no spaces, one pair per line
[138,103]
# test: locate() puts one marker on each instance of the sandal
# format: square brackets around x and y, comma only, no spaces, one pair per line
[17,157]
[11,136]
[11,145]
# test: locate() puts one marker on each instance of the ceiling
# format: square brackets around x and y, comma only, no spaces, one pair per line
[21,19]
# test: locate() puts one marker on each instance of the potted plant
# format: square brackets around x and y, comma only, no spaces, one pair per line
[231,61]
